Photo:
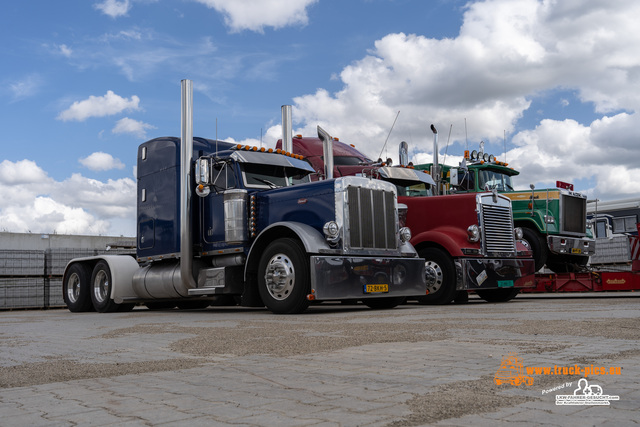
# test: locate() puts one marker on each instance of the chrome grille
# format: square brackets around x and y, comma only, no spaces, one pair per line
[372,219]
[497,224]
[574,214]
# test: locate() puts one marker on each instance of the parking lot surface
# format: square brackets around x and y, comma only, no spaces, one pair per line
[335,365]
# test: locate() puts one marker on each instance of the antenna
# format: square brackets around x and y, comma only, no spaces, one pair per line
[216,134]
[260,137]
[385,141]
[504,138]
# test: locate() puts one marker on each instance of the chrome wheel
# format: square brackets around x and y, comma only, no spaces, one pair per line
[434,276]
[101,287]
[73,288]
[280,277]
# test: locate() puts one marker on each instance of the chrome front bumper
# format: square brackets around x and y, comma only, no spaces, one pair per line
[336,278]
[494,273]
[580,246]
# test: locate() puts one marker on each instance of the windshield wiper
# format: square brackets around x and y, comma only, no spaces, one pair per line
[266,181]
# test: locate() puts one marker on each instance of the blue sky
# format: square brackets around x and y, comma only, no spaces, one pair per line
[85,82]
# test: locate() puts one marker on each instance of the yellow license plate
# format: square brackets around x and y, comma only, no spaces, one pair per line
[576,250]
[373,289]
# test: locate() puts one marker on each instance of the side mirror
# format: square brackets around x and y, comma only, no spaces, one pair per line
[453,177]
[203,171]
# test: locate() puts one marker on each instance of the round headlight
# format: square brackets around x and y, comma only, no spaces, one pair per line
[331,230]
[491,158]
[485,157]
[518,233]
[473,233]
[474,155]
[405,234]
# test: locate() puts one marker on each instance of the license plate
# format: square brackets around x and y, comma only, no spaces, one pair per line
[576,250]
[375,289]
[505,283]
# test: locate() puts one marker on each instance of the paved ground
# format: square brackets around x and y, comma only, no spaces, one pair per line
[335,365]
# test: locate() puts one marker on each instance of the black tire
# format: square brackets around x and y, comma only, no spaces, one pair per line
[384,303]
[537,245]
[101,285]
[441,277]
[197,304]
[76,288]
[160,305]
[498,295]
[283,277]
[561,263]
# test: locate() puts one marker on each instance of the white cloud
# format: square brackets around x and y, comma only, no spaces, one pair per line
[100,161]
[127,125]
[25,87]
[64,50]
[507,52]
[254,15]
[99,106]
[114,8]
[33,201]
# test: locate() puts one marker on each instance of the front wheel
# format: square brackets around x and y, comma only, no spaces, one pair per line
[440,275]
[283,277]
[101,285]
[498,295]
[76,288]
[537,245]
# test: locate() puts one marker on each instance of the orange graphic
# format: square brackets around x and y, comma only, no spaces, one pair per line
[511,372]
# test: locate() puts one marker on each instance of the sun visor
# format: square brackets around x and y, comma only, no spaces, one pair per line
[405,174]
[273,159]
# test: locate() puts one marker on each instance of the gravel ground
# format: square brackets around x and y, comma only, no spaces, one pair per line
[437,363]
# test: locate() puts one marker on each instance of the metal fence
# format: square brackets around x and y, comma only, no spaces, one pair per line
[33,278]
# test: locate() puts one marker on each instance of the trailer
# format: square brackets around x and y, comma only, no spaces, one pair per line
[615,266]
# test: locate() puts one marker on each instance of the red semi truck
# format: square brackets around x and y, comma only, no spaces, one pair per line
[468,241]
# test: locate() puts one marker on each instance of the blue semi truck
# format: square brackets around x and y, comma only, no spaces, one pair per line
[222,220]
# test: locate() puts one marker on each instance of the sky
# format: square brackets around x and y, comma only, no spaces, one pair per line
[550,86]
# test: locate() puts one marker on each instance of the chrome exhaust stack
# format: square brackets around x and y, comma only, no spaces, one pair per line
[403,153]
[186,158]
[287,129]
[435,168]
[327,152]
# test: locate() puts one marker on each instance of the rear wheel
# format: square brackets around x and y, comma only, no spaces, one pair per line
[283,277]
[101,285]
[498,295]
[76,288]
[440,275]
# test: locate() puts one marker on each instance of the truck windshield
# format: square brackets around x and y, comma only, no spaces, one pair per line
[417,190]
[350,161]
[494,179]
[270,176]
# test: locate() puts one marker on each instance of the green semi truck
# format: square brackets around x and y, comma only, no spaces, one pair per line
[553,221]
